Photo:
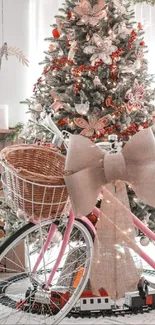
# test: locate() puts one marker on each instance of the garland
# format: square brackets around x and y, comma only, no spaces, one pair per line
[151,2]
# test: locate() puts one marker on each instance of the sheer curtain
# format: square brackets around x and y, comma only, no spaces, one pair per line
[145,14]
[41,16]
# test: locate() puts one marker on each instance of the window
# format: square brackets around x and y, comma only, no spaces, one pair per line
[91,301]
[106,300]
[99,301]
[84,301]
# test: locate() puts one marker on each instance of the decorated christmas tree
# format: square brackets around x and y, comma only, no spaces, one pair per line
[95,80]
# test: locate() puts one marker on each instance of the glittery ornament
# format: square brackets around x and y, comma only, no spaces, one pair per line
[144,241]
[51,47]
[140,26]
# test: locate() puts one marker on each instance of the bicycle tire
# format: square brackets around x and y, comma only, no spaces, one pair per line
[79,229]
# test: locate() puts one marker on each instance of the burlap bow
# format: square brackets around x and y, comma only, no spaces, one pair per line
[88,169]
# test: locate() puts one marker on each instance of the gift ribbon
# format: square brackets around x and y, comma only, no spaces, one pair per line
[87,170]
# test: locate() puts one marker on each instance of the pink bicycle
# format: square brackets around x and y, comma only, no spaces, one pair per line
[47,262]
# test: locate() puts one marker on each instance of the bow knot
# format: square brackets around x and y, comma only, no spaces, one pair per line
[93,168]
[115,167]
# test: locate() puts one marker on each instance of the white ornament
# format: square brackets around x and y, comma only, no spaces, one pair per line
[38,107]
[72,50]
[144,241]
[21,215]
[97,82]
[123,30]
[42,115]
[82,108]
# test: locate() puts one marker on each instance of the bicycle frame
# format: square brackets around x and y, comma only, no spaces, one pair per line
[67,233]
[53,129]
[88,224]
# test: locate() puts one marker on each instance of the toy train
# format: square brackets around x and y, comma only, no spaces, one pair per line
[89,305]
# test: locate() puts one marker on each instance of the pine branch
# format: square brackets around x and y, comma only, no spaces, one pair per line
[13,51]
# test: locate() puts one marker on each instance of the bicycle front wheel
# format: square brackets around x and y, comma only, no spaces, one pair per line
[23,296]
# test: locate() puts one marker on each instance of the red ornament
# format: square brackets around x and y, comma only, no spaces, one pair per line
[142,43]
[108,101]
[62,122]
[55,33]
[76,88]
[69,15]
[68,42]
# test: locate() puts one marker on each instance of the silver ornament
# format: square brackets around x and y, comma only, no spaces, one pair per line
[144,241]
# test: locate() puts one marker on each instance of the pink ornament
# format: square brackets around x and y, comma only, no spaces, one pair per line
[72,50]
[57,104]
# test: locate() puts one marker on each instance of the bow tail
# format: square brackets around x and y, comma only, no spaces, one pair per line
[116,266]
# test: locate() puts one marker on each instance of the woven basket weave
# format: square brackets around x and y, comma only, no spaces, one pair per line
[33,180]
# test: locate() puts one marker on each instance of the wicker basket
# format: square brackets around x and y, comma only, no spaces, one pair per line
[33,180]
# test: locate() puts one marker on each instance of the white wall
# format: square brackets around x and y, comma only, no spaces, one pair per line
[26,24]
[146,14]
[12,74]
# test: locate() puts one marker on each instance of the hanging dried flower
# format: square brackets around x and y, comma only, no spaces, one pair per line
[6,51]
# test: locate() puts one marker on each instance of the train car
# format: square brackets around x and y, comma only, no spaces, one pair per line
[135,302]
[94,303]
